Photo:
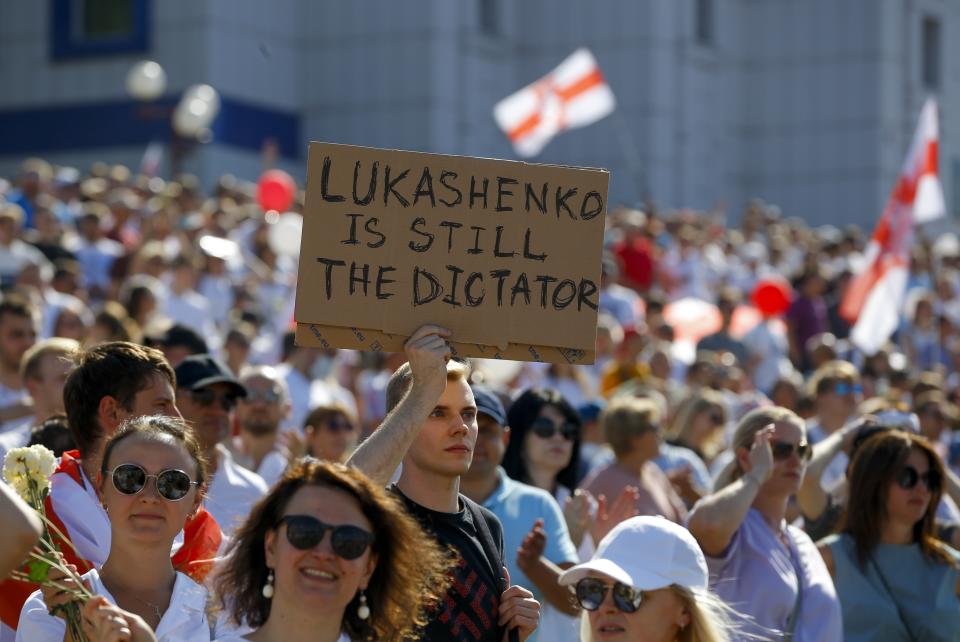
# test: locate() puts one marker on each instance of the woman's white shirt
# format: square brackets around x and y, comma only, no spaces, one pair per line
[185,620]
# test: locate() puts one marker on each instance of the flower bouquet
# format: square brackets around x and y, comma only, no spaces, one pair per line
[28,472]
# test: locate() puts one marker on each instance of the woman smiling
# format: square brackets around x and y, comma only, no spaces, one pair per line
[326,556]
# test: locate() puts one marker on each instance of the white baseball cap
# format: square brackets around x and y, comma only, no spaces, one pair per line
[646,553]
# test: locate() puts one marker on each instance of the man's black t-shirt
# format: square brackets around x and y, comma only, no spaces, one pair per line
[469,611]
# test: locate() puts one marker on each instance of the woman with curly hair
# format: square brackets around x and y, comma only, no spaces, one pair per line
[328,555]
[895,580]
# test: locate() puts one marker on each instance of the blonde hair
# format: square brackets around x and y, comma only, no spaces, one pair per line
[747,429]
[402,379]
[701,401]
[626,418]
[711,619]
[827,375]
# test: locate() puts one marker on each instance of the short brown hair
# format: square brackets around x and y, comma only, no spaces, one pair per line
[56,346]
[119,370]
[321,414]
[155,427]
[626,418]
[408,581]
[16,304]
[401,380]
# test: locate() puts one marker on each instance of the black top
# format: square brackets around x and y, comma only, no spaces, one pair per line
[469,610]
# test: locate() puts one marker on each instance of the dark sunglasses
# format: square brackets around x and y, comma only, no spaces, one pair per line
[717,419]
[783,450]
[266,396]
[172,484]
[908,477]
[304,532]
[592,591]
[848,388]
[339,425]
[206,397]
[545,429]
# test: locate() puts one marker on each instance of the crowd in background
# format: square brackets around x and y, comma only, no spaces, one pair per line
[733,429]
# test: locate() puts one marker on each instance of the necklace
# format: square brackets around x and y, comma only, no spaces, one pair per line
[156,609]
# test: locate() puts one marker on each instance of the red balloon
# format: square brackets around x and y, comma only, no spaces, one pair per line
[772,296]
[275,190]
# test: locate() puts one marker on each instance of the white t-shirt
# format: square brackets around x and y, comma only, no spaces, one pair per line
[233,492]
[185,619]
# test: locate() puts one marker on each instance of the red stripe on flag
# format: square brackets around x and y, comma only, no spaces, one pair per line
[565,94]
[930,158]
[524,128]
[582,85]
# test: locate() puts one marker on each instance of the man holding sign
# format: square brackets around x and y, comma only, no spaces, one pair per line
[432,427]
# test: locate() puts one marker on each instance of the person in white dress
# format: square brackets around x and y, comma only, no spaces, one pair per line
[152,479]
[329,556]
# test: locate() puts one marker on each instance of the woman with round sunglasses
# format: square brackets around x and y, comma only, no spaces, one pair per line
[895,580]
[329,556]
[647,582]
[760,565]
[152,479]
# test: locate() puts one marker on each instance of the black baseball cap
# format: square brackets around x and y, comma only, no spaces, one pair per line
[489,404]
[202,370]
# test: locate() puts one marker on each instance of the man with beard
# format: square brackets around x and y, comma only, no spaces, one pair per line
[207,395]
[259,415]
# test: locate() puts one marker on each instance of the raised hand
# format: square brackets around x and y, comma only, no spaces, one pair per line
[576,512]
[532,546]
[761,455]
[624,507]
[427,352]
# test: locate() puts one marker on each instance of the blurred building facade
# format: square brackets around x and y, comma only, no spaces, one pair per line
[809,104]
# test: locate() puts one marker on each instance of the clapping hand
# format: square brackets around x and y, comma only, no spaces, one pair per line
[623,508]
[532,547]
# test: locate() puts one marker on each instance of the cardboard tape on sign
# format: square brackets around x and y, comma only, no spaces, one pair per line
[326,336]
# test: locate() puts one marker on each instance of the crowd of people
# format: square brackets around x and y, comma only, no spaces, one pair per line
[758,478]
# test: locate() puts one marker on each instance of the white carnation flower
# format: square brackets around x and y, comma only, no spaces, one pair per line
[29,464]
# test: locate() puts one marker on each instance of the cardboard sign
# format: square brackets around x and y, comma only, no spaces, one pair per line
[506,254]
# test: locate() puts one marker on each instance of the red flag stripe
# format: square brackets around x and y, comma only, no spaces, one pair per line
[580,86]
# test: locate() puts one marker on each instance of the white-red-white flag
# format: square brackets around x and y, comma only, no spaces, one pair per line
[875,297]
[572,95]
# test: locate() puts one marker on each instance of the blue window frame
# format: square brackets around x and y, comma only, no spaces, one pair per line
[82,28]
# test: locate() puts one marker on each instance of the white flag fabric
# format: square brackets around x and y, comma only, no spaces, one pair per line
[874,299]
[574,94]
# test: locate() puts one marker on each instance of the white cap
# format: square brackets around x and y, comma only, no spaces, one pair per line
[646,553]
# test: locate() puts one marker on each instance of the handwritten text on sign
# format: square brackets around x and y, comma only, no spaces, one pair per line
[499,251]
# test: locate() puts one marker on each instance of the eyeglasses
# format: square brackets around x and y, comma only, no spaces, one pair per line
[592,591]
[908,477]
[545,429]
[304,532]
[172,484]
[843,388]
[266,396]
[206,397]
[783,450]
